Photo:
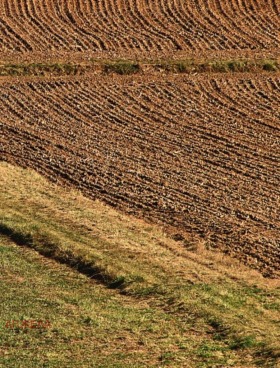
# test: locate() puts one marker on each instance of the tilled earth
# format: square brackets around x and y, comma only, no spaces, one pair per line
[199,154]
[139,26]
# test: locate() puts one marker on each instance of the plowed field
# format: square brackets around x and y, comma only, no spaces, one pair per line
[199,153]
[137,26]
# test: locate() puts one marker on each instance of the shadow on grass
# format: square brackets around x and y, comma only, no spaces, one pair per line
[47,247]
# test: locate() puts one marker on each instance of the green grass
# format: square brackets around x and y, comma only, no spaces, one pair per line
[89,325]
[119,291]
[271,65]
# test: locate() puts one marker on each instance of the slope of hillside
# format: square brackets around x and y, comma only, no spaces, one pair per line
[166,110]
[198,153]
[148,302]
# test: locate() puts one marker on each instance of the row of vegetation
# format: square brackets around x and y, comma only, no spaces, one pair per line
[126,67]
[40,69]
[191,315]
[219,66]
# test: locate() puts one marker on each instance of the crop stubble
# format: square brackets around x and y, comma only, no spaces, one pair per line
[199,153]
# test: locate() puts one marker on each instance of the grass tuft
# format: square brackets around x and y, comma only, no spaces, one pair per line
[121,67]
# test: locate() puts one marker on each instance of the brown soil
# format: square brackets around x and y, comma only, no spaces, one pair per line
[198,153]
[139,26]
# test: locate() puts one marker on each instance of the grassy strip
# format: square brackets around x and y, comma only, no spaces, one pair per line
[126,67]
[238,314]
[41,69]
[218,66]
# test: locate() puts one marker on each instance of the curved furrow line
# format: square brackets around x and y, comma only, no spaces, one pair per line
[116,34]
[264,14]
[33,114]
[105,25]
[80,41]
[12,109]
[169,117]
[275,5]
[276,84]
[31,123]
[219,87]
[232,134]
[88,29]
[168,16]
[271,23]
[273,97]
[256,92]
[241,22]
[61,109]
[227,146]
[234,94]
[238,109]
[140,13]
[44,33]
[182,24]
[92,28]
[60,127]
[127,115]
[6,41]
[126,31]
[58,20]
[35,33]
[97,17]
[201,34]
[265,101]
[18,43]
[42,103]
[251,21]
[85,120]
[122,22]
[42,14]
[224,37]
[144,11]
[15,27]
[141,34]
[134,35]
[92,103]
[189,25]
[231,24]
[257,96]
